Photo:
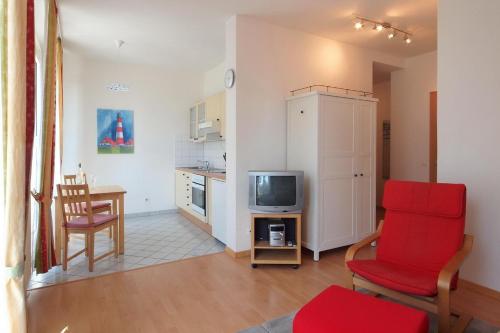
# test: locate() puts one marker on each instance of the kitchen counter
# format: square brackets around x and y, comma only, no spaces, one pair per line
[214,175]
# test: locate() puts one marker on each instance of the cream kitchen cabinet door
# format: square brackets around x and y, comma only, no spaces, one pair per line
[183,189]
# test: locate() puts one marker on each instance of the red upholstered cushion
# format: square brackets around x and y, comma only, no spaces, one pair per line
[339,310]
[424,224]
[82,222]
[437,199]
[396,277]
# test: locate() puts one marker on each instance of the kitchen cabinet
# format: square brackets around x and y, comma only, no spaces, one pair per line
[332,138]
[207,119]
[197,116]
[217,208]
[183,189]
[215,107]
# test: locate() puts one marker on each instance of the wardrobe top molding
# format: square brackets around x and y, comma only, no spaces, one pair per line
[324,93]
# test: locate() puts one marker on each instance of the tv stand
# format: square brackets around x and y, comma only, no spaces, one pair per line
[262,252]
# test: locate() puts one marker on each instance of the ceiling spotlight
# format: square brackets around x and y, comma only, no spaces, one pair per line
[390,31]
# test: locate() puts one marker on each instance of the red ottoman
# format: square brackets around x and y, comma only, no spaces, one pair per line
[342,310]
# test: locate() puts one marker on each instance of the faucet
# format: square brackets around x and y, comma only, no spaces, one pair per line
[205,164]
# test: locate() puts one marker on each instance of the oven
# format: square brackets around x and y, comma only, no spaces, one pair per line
[198,195]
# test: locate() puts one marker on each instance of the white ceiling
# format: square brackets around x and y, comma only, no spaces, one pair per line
[187,34]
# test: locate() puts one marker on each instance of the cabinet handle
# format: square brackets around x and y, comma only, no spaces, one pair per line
[218,119]
[355,175]
[361,174]
[187,204]
[301,111]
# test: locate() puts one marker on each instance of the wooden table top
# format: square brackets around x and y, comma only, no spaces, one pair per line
[107,189]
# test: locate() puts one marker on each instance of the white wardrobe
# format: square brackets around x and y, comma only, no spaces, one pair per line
[331,137]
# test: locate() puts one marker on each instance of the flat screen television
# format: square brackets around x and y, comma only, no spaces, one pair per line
[276,191]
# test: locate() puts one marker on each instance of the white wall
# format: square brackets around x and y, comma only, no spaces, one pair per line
[381,91]
[213,80]
[410,90]
[269,62]
[213,83]
[469,123]
[160,101]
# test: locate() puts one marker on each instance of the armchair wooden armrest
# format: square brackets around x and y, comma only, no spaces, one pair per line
[353,249]
[451,268]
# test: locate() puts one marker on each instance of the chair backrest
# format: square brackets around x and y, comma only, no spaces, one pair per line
[71,179]
[424,224]
[75,202]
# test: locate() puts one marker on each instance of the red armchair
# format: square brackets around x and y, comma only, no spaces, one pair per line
[421,245]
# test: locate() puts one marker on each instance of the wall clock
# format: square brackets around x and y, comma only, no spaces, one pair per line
[229,78]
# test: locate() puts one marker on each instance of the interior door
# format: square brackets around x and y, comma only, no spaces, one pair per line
[337,156]
[365,168]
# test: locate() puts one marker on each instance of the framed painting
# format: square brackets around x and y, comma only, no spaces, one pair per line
[115,131]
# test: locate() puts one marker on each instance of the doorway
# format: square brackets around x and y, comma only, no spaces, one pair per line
[433,137]
[382,91]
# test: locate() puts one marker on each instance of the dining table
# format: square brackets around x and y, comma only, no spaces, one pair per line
[111,193]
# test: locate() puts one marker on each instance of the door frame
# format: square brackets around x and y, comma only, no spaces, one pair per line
[433,136]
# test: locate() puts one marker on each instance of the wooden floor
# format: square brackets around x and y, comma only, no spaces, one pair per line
[213,293]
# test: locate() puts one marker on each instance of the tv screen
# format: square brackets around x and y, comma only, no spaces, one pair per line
[275,190]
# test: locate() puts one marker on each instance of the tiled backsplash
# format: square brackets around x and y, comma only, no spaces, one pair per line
[213,152]
[188,153]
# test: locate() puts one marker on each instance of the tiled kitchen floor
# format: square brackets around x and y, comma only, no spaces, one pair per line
[148,240]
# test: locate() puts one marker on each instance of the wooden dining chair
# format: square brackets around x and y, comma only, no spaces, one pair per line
[79,218]
[97,206]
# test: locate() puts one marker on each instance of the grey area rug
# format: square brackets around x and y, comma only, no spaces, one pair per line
[285,325]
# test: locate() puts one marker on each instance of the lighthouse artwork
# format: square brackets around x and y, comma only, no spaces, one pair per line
[115,131]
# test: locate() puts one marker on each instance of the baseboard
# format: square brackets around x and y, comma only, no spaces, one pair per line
[233,254]
[480,289]
[157,212]
[197,222]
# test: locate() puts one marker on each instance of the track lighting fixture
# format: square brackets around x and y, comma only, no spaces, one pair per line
[380,26]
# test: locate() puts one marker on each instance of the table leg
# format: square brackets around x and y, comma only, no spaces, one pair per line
[121,223]
[58,225]
[114,207]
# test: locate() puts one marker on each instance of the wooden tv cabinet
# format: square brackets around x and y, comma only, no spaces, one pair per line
[262,252]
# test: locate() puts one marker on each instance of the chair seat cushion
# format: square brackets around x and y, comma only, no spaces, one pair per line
[96,205]
[82,221]
[396,277]
[340,310]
